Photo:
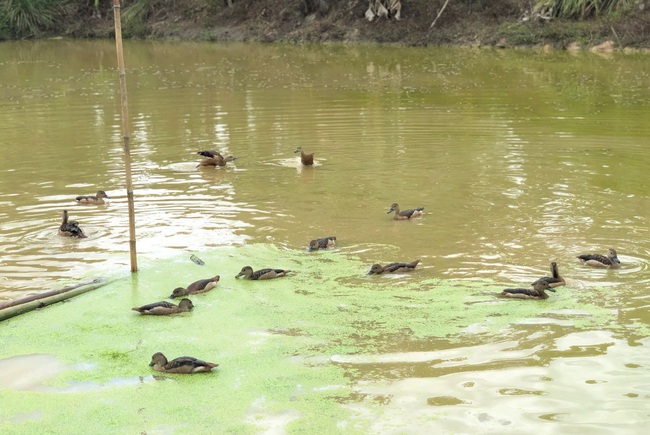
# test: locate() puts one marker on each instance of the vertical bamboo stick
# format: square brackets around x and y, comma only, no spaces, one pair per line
[127,134]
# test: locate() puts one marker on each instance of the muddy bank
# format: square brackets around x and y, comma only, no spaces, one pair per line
[502,23]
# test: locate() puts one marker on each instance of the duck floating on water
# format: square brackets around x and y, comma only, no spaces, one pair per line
[214,159]
[322,243]
[200,286]
[597,260]
[248,273]
[555,280]
[306,159]
[537,292]
[404,214]
[70,228]
[164,308]
[89,199]
[378,269]
[183,364]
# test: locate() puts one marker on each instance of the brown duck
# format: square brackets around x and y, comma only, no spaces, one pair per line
[163,308]
[404,214]
[537,292]
[378,269]
[217,160]
[555,280]
[597,260]
[200,286]
[89,199]
[322,243]
[306,159]
[70,228]
[183,364]
[248,273]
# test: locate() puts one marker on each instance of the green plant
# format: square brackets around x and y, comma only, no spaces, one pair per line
[582,9]
[29,17]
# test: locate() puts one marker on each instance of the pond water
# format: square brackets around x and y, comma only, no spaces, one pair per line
[519,158]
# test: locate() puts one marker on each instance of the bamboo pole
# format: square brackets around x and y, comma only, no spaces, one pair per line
[31,298]
[59,295]
[127,133]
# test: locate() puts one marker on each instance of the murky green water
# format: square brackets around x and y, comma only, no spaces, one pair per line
[519,158]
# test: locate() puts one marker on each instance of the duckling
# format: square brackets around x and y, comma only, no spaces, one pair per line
[200,286]
[537,292]
[378,269]
[247,273]
[183,364]
[217,161]
[71,228]
[404,214]
[306,159]
[323,243]
[555,280]
[163,308]
[97,199]
[211,154]
[597,260]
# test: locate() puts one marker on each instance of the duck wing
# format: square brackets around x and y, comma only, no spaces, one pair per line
[161,304]
[199,285]
[188,364]
[596,257]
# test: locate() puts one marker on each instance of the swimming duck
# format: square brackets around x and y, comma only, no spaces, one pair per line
[537,292]
[404,214]
[597,260]
[378,269]
[183,364]
[89,199]
[248,273]
[70,228]
[555,280]
[323,243]
[200,286]
[306,159]
[217,161]
[163,308]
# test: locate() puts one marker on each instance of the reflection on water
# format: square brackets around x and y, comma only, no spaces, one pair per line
[515,393]
[519,159]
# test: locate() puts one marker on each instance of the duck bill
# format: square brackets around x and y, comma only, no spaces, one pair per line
[390,210]
[616,260]
[151,364]
[238,275]
[551,289]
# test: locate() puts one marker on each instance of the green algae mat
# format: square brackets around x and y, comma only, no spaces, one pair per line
[287,349]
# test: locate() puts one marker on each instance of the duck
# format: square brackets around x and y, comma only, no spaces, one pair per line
[306,159]
[597,260]
[537,292]
[217,160]
[404,214]
[163,308]
[248,273]
[555,280]
[70,228]
[322,243]
[200,286]
[183,364]
[378,269]
[89,199]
